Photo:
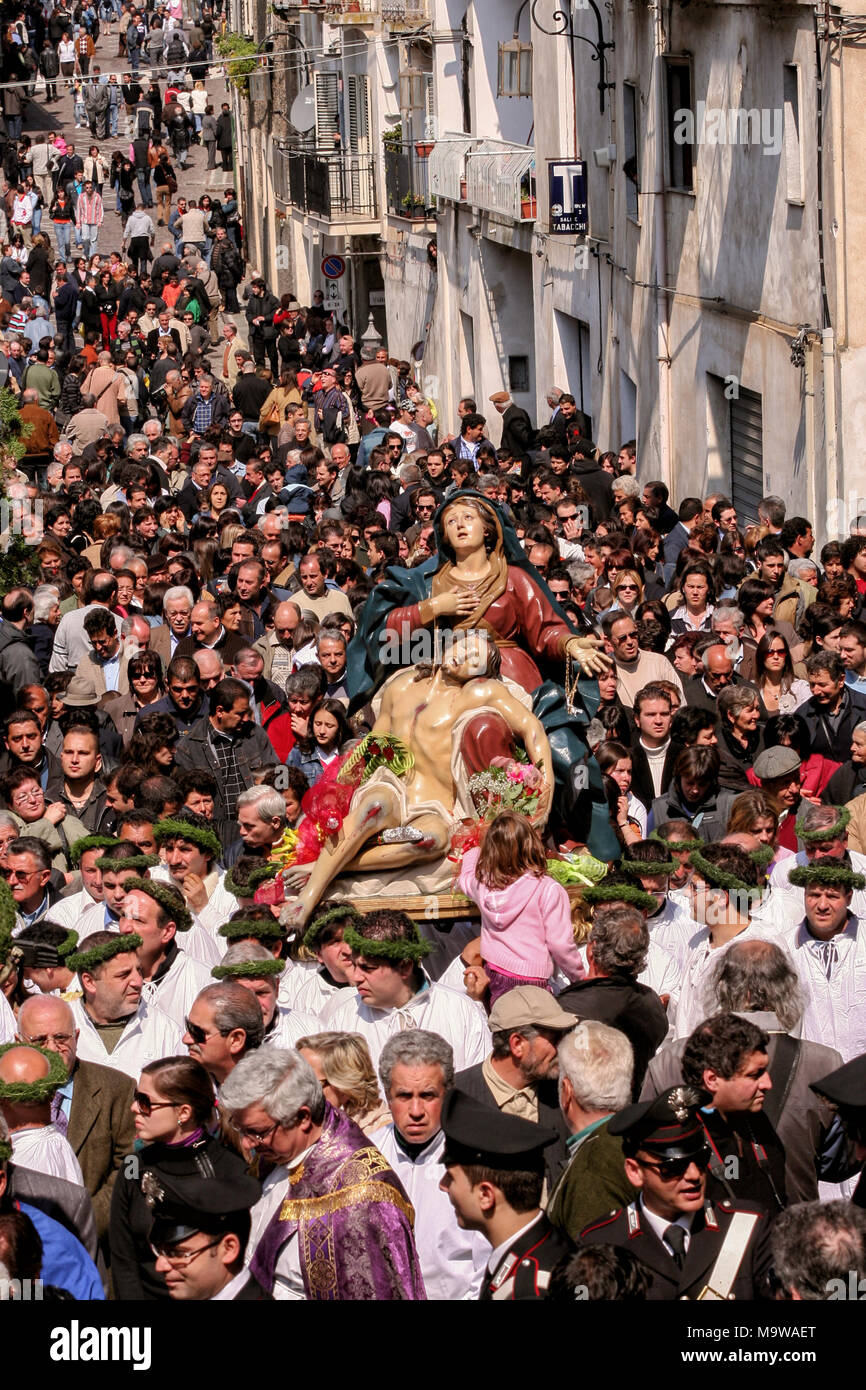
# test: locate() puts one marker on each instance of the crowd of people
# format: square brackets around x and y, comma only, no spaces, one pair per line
[648,1086]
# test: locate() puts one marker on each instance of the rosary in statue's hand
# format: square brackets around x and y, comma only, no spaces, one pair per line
[589,655]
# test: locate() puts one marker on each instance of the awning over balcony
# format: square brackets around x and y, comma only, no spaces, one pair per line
[446,167]
[492,169]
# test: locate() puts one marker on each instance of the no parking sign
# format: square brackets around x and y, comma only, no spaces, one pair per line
[333,267]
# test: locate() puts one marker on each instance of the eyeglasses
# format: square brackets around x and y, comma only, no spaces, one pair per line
[627,589]
[182,1257]
[197,1033]
[28,796]
[43,1040]
[21,875]
[672,1168]
[146,1105]
[624,636]
[255,1136]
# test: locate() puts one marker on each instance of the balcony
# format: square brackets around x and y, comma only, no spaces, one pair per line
[407,187]
[335,187]
[404,14]
[358,12]
[491,175]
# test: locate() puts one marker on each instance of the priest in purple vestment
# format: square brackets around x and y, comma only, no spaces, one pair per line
[333,1222]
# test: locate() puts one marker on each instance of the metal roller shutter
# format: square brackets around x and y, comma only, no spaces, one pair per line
[747,455]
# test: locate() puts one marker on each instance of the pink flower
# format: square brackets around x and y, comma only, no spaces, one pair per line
[532,778]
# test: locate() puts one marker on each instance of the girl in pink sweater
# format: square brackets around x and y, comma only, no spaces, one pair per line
[525,914]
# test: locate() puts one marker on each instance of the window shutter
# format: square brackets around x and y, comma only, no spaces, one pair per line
[429,110]
[793,152]
[358,104]
[747,455]
[327,109]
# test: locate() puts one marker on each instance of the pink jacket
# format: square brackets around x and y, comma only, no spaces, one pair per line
[525,928]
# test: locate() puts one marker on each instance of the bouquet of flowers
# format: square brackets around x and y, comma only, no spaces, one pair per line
[506,785]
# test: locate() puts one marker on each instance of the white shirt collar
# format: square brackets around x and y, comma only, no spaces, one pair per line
[497,1255]
[659,1224]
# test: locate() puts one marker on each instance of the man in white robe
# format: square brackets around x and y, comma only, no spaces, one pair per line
[828,948]
[172,979]
[27,1088]
[393,992]
[252,965]
[117,1027]
[416,1069]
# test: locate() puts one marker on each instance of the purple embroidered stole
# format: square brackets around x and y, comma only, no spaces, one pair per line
[352,1220]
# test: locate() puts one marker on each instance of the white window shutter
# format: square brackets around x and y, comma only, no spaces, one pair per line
[358,113]
[327,109]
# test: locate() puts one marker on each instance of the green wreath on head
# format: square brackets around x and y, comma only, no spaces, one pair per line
[243,929]
[97,955]
[257,877]
[5,1151]
[162,894]
[762,856]
[838,876]
[68,944]
[720,878]
[205,840]
[249,970]
[388,950]
[34,1092]
[620,893]
[827,832]
[136,863]
[8,914]
[317,926]
[80,847]
[635,868]
[675,846]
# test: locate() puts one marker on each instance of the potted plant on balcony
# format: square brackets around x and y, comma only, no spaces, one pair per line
[528,206]
[424,148]
[414,205]
[393,139]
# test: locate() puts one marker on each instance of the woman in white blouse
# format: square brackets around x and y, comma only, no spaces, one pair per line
[66,56]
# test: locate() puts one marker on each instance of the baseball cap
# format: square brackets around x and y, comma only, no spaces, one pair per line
[529,1006]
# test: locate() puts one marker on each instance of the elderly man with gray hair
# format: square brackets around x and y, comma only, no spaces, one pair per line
[261,817]
[756,980]
[595,1071]
[416,1069]
[357,1245]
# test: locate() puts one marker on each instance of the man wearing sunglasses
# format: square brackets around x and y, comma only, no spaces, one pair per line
[634,668]
[199,1236]
[673,1227]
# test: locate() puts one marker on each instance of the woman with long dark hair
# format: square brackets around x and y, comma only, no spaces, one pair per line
[780,689]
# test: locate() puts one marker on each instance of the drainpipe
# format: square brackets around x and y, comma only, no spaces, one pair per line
[832,481]
[661,267]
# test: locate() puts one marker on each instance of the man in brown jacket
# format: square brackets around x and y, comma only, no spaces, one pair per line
[92,1109]
[108,386]
[39,443]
